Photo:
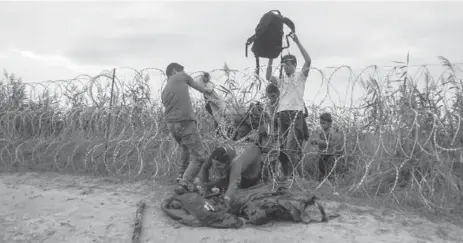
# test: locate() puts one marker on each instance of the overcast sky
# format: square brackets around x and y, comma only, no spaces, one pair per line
[48,41]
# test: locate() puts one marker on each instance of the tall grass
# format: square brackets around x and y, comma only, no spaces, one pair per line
[403,140]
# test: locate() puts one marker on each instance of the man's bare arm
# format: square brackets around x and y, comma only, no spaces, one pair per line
[192,83]
[234,182]
[204,172]
[305,55]
[268,74]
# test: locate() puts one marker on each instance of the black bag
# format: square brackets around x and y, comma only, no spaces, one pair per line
[194,210]
[268,39]
[260,204]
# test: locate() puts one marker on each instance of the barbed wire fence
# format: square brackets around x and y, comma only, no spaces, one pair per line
[402,133]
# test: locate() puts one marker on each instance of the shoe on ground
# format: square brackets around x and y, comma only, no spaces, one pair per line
[284,183]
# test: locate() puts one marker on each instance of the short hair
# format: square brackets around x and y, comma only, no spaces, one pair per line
[290,58]
[220,154]
[173,66]
[272,88]
[326,117]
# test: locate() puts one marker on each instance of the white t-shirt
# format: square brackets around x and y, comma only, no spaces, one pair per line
[292,92]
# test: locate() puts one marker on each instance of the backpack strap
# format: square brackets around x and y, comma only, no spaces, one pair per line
[257,66]
[249,42]
[290,24]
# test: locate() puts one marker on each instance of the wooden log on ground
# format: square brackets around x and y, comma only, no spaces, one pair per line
[138,222]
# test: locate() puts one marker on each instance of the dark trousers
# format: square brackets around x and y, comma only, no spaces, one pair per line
[326,164]
[293,132]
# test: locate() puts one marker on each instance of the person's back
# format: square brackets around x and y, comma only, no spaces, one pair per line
[176,99]
[181,121]
[235,167]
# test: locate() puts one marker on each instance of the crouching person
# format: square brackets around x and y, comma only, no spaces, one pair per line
[330,145]
[232,168]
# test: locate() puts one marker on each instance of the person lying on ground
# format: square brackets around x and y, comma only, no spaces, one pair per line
[330,145]
[290,108]
[182,123]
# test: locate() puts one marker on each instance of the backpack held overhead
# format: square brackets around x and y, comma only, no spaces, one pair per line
[267,42]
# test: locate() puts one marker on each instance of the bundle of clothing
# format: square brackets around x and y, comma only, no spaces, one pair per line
[256,205]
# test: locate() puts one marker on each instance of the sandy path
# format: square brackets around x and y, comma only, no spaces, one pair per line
[59,208]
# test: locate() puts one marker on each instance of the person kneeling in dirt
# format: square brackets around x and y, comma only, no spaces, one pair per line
[232,169]
[237,166]
[330,145]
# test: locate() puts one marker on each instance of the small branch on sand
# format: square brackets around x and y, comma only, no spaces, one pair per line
[138,222]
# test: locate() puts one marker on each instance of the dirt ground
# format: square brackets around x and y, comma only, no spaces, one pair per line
[47,207]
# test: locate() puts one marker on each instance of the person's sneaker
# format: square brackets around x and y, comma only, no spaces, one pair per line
[285,183]
[282,185]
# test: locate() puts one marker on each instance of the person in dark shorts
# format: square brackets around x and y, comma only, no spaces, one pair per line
[182,123]
[330,145]
[291,109]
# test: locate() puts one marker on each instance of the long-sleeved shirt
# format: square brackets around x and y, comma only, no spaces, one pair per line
[212,97]
[245,163]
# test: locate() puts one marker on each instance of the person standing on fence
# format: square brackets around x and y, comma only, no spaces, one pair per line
[182,123]
[291,108]
[214,103]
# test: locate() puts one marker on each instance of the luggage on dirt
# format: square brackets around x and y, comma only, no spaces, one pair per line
[259,205]
[194,210]
[267,42]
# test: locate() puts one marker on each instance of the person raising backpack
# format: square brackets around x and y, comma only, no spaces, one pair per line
[291,107]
